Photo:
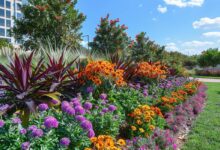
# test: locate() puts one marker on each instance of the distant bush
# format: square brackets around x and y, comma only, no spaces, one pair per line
[208,72]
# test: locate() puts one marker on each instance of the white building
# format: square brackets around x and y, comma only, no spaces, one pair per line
[8,10]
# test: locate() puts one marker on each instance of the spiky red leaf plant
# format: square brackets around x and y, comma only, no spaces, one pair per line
[25,83]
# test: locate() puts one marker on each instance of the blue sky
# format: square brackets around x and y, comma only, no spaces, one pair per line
[188,26]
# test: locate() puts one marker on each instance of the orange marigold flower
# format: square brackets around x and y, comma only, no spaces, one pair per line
[121,142]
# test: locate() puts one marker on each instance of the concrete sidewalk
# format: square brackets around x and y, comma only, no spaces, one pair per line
[206,80]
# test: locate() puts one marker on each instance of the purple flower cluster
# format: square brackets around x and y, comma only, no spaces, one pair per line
[2,123]
[51,122]
[35,132]
[89,89]
[16,120]
[65,142]
[138,86]
[183,114]
[43,107]
[3,107]
[23,131]
[25,145]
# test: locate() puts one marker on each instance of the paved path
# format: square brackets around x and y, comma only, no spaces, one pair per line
[207,80]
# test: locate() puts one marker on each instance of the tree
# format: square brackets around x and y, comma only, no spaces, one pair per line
[57,20]
[4,43]
[210,57]
[110,37]
[143,49]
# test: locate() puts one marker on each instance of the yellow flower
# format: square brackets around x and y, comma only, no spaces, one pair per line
[133,128]
[87,149]
[152,127]
[93,139]
[121,142]
[139,122]
[141,130]
[109,143]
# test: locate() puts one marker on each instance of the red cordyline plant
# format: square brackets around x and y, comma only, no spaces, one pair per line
[26,84]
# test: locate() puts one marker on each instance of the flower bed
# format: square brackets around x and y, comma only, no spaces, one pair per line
[95,107]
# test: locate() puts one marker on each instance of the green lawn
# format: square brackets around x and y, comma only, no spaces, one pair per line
[205,134]
[210,77]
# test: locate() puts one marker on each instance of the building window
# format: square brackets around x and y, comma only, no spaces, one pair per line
[8,33]
[19,15]
[8,14]
[2,22]
[18,6]
[2,32]
[8,4]
[2,12]
[2,3]
[8,23]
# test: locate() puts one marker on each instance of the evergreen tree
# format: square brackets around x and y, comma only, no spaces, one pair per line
[110,37]
[57,20]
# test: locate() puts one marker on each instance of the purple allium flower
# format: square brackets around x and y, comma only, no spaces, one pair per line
[25,145]
[86,125]
[112,108]
[145,92]
[138,86]
[37,133]
[103,96]
[2,123]
[32,127]
[75,101]
[51,122]
[64,106]
[87,105]
[43,107]
[89,89]
[97,107]
[79,110]
[23,131]
[105,110]
[16,120]
[103,103]
[80,118]
[91,133]
[70,111]
[65,142]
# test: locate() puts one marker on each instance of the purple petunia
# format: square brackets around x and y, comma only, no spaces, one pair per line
[23,131]
[91,133]
[86,125]
[43,107]
[65,142]
[37,133]
[112,108]
[80,118]
[16,120]
[79,110]
[2,123]
[103,96]
[51,122]
[87,105]
[25,145]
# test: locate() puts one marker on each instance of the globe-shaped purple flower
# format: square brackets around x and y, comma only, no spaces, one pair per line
[43,107]
[25,145]
[79,110]
[86,125]
[89,89]
[37,133]
[112,108]
[87,105]
[91,133]
[65,142]
[70,111]
[16,120]
[80,118]
[103,96]
[32,127]
[23,131]
[51,122]
[105,110]
[2,123]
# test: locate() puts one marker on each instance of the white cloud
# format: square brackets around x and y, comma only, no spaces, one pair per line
[84,43]
[140,5]
[211,34]
[185,3]
[162,9]
[196,44]
[207,23]
[171,47]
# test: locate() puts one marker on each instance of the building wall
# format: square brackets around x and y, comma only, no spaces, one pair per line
[8,10]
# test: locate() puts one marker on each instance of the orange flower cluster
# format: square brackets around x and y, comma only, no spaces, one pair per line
[97,70]
[106,142]
[151,70]
[191,87]
[143,119]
